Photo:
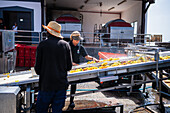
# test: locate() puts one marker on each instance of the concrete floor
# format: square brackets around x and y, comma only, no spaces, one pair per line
[110,98]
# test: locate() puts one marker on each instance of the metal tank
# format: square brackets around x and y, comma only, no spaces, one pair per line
[7,52]
[69,24]
[117,31]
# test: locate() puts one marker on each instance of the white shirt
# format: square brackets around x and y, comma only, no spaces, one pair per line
[14,28]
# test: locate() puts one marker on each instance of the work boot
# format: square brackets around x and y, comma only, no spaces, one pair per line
[71,107]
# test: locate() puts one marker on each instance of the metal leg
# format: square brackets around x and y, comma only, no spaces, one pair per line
[121,109]
[132,83]
[157,63]
[28,90]
[73,91]
[144,86]
[161,106]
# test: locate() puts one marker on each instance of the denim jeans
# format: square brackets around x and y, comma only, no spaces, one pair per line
[55,98]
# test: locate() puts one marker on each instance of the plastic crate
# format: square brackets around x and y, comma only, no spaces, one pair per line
[27,61]
[32,62]
[33,51]
[106,55]
[27,51]
[17,61]
[21,61]
[20,51]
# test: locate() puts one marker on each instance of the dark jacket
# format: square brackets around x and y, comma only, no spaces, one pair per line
[53,60]
[77,51]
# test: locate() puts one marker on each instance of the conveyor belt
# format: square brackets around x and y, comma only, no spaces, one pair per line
[109,62]
[131,68]
[26,78]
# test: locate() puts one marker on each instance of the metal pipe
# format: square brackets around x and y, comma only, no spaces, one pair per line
[39,35]
[164,93]
[28,90]
[131,111]
[161,106]
[157,63]
[143,18]
[32,96]
[100,41]
[144,84]
[115,87]
[132,83]
[100,12]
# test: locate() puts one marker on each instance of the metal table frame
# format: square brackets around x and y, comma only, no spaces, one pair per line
[126,70]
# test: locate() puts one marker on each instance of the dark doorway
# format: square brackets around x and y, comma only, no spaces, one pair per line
[23,19]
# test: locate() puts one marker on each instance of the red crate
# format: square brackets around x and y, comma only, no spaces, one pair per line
[33,51]
[17,48]
[21,61]
[20,51]
[106,55]
[27,51]
[20,44]
[17,59]
[32,62]
[27,61]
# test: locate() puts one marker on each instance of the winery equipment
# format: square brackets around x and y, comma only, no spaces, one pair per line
[7,52]
[27,78]
[69,24]
[115,31]
[9,97]
[28,81]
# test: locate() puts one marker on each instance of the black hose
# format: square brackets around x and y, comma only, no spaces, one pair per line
[164,93]
[26,109]
[131,111]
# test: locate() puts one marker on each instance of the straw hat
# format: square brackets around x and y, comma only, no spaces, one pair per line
[54,28]
[75,36]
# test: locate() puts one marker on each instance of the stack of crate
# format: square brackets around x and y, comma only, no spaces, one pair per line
[25,55]
[20,55]
[156,38]
[33,55]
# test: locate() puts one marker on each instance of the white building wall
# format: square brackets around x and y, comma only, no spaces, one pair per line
[158,19]
[90,19]
[36,6]
[133,14]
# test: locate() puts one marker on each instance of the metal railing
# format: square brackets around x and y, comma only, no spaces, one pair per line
[115,39]
[27,37]
[144,39]
[90,38]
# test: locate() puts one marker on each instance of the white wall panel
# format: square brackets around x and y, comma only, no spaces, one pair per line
[36,6]
[133,14]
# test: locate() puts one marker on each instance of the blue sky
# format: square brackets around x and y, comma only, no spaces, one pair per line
[158,19]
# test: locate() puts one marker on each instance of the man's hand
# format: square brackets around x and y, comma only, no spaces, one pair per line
[88,57]
[94,59]
[74,64]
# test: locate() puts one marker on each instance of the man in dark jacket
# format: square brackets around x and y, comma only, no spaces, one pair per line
[53,60]
[77,51]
